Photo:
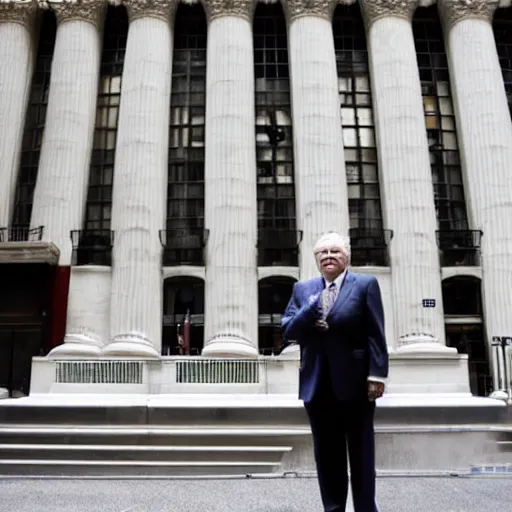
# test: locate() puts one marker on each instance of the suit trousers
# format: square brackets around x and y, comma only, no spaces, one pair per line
[335,425]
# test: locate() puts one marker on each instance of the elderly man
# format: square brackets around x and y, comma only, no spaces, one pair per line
[338,321]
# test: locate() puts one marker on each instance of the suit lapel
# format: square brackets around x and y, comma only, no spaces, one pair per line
[345,291]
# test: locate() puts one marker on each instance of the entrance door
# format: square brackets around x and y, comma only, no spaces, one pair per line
[18,345]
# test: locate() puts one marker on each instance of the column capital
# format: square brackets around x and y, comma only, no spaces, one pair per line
[453,11]
[239,8]
[317,8]
[161,9]
[22,13]
[376,9]
[90,11]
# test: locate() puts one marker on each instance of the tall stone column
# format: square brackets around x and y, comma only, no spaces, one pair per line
[485,140]
[231,291]
[140,181]
[320,176]
[63,175]
[405,175]
[16,67]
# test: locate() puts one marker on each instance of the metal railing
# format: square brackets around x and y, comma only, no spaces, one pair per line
[369,247]
[460,247]
[183,246]
[219,371]
[21,234]
[99,372]
[92,247]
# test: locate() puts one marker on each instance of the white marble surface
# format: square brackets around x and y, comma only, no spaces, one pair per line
[63,175]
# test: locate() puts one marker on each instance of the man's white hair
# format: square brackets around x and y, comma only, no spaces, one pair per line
[332,238]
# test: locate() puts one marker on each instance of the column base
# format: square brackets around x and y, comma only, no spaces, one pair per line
[130,345]
[500,395]
[419,343]
[230,345]
[83,344]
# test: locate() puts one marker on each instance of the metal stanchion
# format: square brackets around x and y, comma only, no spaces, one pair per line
[501,353]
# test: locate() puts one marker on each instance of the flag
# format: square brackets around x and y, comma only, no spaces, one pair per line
[186,334]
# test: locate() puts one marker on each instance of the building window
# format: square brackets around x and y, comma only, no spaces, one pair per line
[183,301]
[502,26]
[99,198]
[439,121]
[34,124]
[369,241]
[274,142]
[273,296]
[357,118]
[184,236]
[464,327]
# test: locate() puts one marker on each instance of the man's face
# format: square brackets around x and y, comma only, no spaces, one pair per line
[331,260]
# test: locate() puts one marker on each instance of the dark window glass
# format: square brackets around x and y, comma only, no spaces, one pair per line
[502,26]
[34,122]
[183,295]
[439,120]
[274,143]
[185,199]
[273,296]
[99,197]
[357,118]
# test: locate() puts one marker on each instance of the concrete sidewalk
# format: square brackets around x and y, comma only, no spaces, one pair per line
[249,495]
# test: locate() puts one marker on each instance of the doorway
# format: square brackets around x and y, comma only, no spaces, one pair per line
[18,345]
[25,307]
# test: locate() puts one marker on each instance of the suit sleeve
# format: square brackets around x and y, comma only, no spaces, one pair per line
[379,359]
[296,318]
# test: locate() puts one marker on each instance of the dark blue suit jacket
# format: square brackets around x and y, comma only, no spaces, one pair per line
[353,349]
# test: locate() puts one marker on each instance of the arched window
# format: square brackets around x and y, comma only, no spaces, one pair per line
[183,297]
[34,126]
[273,296]
[185,237]
[439,120]
[502,26]
[465,328]
[277,235]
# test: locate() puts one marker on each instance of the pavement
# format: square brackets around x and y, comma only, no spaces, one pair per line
[412,494]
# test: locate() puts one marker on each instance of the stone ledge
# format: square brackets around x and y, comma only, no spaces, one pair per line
[29,252]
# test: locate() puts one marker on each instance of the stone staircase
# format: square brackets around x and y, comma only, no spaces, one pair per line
[174,438]
[181,436]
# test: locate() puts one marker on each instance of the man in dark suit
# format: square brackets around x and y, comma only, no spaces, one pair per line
[338,321]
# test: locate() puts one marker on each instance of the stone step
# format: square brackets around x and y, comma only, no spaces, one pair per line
[48,452]
[147,436]
[116,468]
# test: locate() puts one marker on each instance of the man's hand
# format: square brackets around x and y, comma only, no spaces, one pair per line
[375,390]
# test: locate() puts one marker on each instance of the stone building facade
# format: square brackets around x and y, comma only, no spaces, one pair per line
[160,158]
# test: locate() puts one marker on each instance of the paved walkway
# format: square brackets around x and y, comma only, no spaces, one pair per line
[258,495]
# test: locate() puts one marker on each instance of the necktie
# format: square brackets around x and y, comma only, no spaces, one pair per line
[328,297]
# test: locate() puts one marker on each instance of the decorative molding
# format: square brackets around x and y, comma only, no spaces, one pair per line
[161,9]
[376,9]
[453,11]
[239,8]
[318,8]
[90,11]
[29,252]
[22,13]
